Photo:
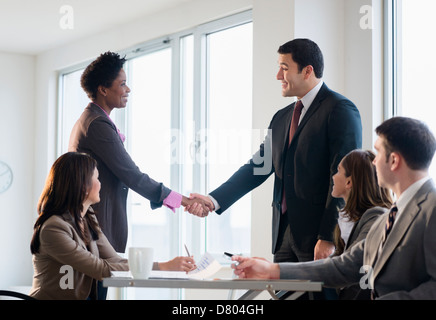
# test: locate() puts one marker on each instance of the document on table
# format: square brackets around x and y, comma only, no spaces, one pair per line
[206,267]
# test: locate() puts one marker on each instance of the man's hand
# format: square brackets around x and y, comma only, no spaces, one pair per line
[196,206]
[323,249]
[255,268]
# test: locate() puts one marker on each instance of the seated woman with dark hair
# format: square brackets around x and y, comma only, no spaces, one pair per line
[356,182]
[67,233]
[70,252]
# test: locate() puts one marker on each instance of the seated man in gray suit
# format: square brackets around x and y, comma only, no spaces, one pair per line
[397,260]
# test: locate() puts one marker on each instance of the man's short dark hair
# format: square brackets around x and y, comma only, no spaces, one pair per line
[101,72]
[305,52]
[411,138]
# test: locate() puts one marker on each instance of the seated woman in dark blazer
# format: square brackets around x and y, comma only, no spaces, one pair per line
[70,252]
[356,183]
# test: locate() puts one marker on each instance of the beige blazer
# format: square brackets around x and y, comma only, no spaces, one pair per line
[64,269]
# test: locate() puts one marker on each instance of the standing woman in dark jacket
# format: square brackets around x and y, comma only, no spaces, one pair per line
[356,183]
[104,81]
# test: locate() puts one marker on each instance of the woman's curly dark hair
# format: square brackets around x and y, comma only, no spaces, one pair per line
[101,72]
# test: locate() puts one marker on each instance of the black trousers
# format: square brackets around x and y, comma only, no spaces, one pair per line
[288,252]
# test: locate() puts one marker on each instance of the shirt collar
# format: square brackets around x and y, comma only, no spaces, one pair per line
[409,193]
[310,96]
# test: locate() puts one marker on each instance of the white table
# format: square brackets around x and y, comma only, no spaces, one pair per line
[253,287]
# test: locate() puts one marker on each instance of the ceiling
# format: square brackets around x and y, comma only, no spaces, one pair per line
[34,26]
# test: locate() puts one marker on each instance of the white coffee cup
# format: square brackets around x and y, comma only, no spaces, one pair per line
[140,262]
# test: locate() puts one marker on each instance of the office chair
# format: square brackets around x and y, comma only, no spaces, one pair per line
[22,296]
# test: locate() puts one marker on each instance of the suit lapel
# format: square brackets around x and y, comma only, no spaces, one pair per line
[351,236]
[69,219]
[373,243]
[288,119]
[400,227]
[312,109]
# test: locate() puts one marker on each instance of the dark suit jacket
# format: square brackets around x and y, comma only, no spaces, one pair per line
[358,233]
[329,130]
[95,134]
[406,267]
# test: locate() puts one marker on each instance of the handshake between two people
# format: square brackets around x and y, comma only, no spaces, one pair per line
[198,205]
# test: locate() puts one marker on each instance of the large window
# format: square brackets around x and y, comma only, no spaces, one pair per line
[412,59]
[71,104]
[229,135]
[149,128]
[188,125]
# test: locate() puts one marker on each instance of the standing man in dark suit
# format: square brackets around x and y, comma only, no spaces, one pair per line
[304,157]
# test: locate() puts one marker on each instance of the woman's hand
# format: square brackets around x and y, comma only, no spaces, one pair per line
[178,264]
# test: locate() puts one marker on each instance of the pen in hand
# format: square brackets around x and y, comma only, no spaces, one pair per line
[193,266]
[187,251]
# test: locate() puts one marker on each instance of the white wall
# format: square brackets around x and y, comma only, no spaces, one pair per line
[353,68]
[364,65]
[17,150]
[353,55]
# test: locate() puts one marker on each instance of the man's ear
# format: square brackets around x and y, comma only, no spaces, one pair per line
[395,160]
[308,71]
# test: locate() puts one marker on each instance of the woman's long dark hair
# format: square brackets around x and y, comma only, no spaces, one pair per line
[65,190]
[365,192]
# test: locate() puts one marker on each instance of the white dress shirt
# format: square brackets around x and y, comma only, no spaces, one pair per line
[308,99]
[307,102]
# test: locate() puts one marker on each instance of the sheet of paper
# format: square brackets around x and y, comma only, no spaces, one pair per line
[206,267]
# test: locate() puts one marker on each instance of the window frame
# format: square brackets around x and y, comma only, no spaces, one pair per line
[393,58]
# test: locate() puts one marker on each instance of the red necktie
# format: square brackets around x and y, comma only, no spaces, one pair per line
[294,125]
[295,119]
